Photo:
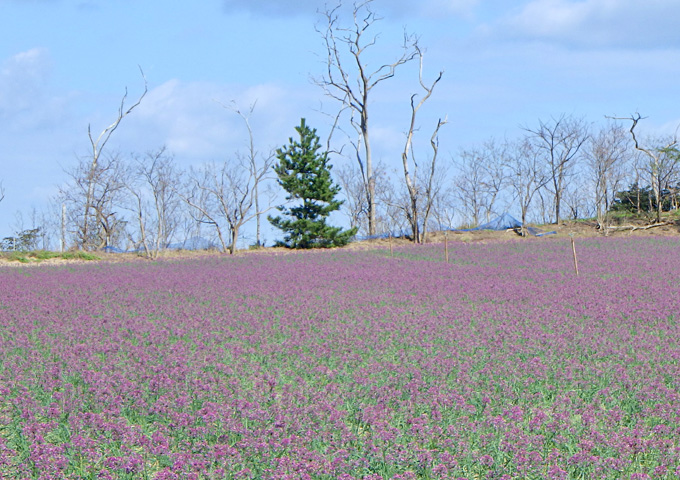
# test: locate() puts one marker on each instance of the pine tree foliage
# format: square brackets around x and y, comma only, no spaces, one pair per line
[304,172]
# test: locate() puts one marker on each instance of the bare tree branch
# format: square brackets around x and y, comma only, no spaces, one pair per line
[658,165]
[410,178]
[351,83]
[97,146]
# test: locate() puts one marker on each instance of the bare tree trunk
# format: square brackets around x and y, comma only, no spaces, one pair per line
[431,192]
[560,142]
[408,150]
[351,84]
[97,146]
[655,162]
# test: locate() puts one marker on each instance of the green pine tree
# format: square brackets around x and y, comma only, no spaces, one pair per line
[305,174]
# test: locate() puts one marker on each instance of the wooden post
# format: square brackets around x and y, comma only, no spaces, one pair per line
[446,246]
[391,252]
[573,251]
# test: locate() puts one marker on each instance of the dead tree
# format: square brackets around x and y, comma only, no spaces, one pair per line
[97,146]
[350,81]
[559,143]
[411,173]
[662,161]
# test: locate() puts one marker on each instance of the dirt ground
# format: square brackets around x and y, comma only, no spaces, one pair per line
[580,228]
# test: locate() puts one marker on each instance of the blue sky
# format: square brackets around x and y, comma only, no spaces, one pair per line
[64,65]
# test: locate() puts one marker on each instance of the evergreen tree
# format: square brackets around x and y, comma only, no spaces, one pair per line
[305,174]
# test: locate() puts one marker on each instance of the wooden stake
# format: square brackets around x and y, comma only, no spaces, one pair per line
[446,247]
[391,252]
[573,250]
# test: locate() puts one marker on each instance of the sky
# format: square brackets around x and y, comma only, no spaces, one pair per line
[65,65]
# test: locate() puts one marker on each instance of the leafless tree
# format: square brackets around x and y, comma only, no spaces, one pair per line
[223,195]
[663,161]
[257,164]
[527,174]
[350,80]
[444,209]
[424,192]
[480,179]
[577,199]
[102,188]
[204,207]
[90,215]
[155,201]
[558,142]
[2,192]
[607,155]
[354,191]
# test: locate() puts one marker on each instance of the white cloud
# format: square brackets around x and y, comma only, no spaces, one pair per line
[190,118]
[23,89]
[595,23]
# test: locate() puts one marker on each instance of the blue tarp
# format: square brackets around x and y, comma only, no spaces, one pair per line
[504,222]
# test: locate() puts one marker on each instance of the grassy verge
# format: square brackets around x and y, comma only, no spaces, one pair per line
[40,255]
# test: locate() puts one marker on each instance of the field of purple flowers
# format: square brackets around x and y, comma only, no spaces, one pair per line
[347,365]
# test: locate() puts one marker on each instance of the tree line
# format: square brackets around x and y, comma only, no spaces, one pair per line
[562,167]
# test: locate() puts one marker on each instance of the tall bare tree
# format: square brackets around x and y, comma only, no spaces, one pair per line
[559,142]
[97,147]
[257,165]
[416,192]
[663,161]
[350,80]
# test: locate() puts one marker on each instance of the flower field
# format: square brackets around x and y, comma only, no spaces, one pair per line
[501,364]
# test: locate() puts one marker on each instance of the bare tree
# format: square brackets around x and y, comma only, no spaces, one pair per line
[223,195]
[527,175]
[91,174]
[577,198]
[558,142]
[257,165]
[410,164]
[102,189]
[480,179]
[663,161]
[156,203]
[354,191]
[198,194]
[607,154]
[350,81]
[2,192]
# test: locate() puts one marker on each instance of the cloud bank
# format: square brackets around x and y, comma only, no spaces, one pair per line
[595,23]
